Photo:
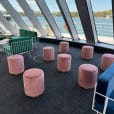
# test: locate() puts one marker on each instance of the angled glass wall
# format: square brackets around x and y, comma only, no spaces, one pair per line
[2,27]
[40,17]
[76,19]
[56,13]
[8,18]
[5,30]
[16,6]
[103,19]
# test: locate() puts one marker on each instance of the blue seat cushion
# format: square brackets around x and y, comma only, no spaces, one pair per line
[105,87]
[105,81]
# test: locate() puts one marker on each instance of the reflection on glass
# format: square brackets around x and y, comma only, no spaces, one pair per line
[54,9]
[103,20]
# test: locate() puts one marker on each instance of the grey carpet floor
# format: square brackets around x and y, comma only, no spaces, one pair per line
[62,94]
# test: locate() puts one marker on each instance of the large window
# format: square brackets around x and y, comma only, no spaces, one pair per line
[76,19]
[102,10]
[2,9]
[8,18]
[3,29]
[40,17]
[16,6]
[56,13]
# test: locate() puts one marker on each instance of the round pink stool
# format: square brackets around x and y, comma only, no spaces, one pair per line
[33,80]
[64,62]
[15,64]
[48,53]
[63,47]
[87,52]
[106,60]
[87,76]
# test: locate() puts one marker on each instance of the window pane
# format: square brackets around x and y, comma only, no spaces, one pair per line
[2,9]
[5,30]
[18,8]
[76,19]
[8,18]
[54,9]
[103,20]
[40,17]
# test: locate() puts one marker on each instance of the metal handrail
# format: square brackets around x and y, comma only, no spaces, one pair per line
[103,29]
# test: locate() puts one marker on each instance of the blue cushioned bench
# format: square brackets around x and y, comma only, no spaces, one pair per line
[104,92]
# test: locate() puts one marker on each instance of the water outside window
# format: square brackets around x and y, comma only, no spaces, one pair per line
[103,19]
[56,13]
[40,17]
[18,8]
[102,14]
[76,19]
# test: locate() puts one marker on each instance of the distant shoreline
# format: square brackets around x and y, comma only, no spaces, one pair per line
[99,14]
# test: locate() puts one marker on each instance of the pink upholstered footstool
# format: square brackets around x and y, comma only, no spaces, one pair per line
[63,47]
[87,76]
[64,62]
[106,60]
[15,64]
[48,53]
[87,52]
[33,80]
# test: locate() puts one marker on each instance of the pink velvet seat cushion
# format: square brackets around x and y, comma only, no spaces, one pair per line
[64,62]
[87,76]
[106,60]
[48,53]
[33,80]
[63,47]
[15,64]
[87,52]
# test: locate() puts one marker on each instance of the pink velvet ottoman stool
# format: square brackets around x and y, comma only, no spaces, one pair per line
[48,53]
[87,76]
[87,52]
[15,64]
[64,62]
[63,47]
[106,60]
[33,80]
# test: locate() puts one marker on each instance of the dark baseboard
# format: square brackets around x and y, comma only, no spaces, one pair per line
[97,48]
